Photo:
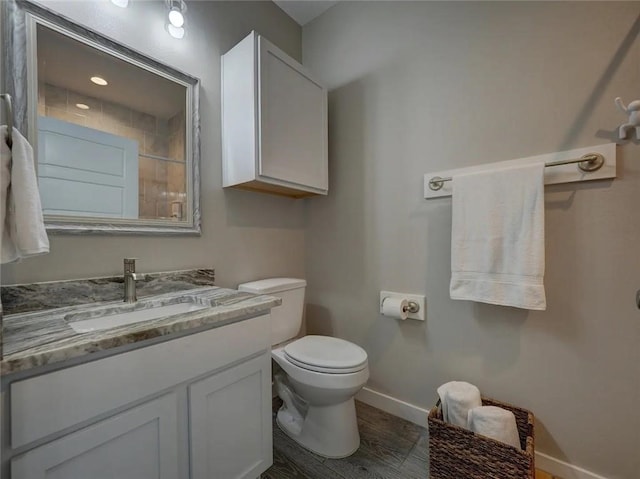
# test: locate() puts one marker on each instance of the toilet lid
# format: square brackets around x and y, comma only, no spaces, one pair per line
[326,354]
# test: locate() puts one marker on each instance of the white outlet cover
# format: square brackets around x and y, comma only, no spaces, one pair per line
[416,298]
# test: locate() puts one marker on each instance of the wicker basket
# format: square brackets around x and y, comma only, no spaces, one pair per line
[457,453]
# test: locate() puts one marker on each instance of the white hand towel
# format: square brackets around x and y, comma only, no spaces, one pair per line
[497,237]
[21,221]
[5,180]
[496,423]
[456,398]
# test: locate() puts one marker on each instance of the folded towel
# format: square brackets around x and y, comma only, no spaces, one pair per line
[497,237]
[21,222]
[5,180]
[496,423]
[456,398]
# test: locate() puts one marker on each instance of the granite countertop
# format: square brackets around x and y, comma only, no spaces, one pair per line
[23,298]
[42,337]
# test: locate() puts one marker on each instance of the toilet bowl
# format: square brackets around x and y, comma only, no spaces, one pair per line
[329,427]
[322,375]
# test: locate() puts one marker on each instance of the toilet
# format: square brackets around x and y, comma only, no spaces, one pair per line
[321,375]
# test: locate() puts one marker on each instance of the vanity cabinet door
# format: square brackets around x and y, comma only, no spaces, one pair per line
[140,443]
[230,422]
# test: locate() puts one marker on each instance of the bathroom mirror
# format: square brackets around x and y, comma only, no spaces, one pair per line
[115,133]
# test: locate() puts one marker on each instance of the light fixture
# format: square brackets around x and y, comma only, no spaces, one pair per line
[175,18]
[120,3]
[175,32]
[82,106]
[99,81]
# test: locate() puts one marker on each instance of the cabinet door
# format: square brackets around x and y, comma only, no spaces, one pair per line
[140,443]
[293,122]
[230,422]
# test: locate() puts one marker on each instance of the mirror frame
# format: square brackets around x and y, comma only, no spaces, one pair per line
[19,21]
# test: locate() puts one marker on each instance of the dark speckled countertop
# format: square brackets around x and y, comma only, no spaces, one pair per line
[36,335]
[23,298]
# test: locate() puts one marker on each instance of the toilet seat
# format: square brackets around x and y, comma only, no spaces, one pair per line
[325,354]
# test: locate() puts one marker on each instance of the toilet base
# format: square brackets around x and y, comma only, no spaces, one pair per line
[329,431]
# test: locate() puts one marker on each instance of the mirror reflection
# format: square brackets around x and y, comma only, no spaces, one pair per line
[111,135]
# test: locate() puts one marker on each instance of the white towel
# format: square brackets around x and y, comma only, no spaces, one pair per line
[21,222]
[456,399]
[497,237]
[496,423]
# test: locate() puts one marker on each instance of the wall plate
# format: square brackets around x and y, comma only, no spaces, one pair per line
[417,298]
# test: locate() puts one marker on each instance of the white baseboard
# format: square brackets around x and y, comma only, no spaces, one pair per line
[562,469]
[393,406]
[418,415]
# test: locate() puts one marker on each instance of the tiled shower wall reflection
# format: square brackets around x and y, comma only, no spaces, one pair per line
[161,182]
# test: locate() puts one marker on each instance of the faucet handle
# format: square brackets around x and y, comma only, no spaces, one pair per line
[130,265]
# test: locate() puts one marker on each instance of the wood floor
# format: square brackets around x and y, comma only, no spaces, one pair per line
[390,448]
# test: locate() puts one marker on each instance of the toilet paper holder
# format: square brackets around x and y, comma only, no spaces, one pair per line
[415,303]
[412,307]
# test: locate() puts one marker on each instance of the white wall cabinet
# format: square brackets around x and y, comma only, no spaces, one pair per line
[198,406]
[274,122]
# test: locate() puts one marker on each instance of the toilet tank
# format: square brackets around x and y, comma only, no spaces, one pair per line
[286,319]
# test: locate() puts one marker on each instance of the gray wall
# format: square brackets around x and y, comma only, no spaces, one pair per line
[245,235]
[425,86]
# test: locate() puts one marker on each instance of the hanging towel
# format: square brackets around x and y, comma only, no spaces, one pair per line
[21,222]
[496,423]
[456,399]
[497,237]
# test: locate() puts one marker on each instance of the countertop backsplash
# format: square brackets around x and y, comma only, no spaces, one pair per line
[23,298]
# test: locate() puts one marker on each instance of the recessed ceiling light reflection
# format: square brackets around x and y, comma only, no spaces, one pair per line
[99,81]
[82,106]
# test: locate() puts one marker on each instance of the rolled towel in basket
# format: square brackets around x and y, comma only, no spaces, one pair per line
[496,423]
[457,398]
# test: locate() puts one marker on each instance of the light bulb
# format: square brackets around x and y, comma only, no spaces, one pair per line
[120,3]
[82,106]
[174,31]
[176,18]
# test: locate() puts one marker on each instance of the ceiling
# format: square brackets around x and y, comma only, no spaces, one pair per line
[303,11]
[68,63]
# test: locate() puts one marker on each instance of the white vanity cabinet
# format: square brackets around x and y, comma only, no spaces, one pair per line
[231,434]
[196,406]
[140,443]
[274,122]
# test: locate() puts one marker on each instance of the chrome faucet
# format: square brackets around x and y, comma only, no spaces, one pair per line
[130,278]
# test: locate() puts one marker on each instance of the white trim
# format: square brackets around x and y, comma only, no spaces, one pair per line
[418,415]
[563,469]
[396,407]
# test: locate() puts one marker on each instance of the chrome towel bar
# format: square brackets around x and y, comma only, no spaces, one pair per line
[587,163]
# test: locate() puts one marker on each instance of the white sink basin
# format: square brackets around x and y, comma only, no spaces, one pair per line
[114,317]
